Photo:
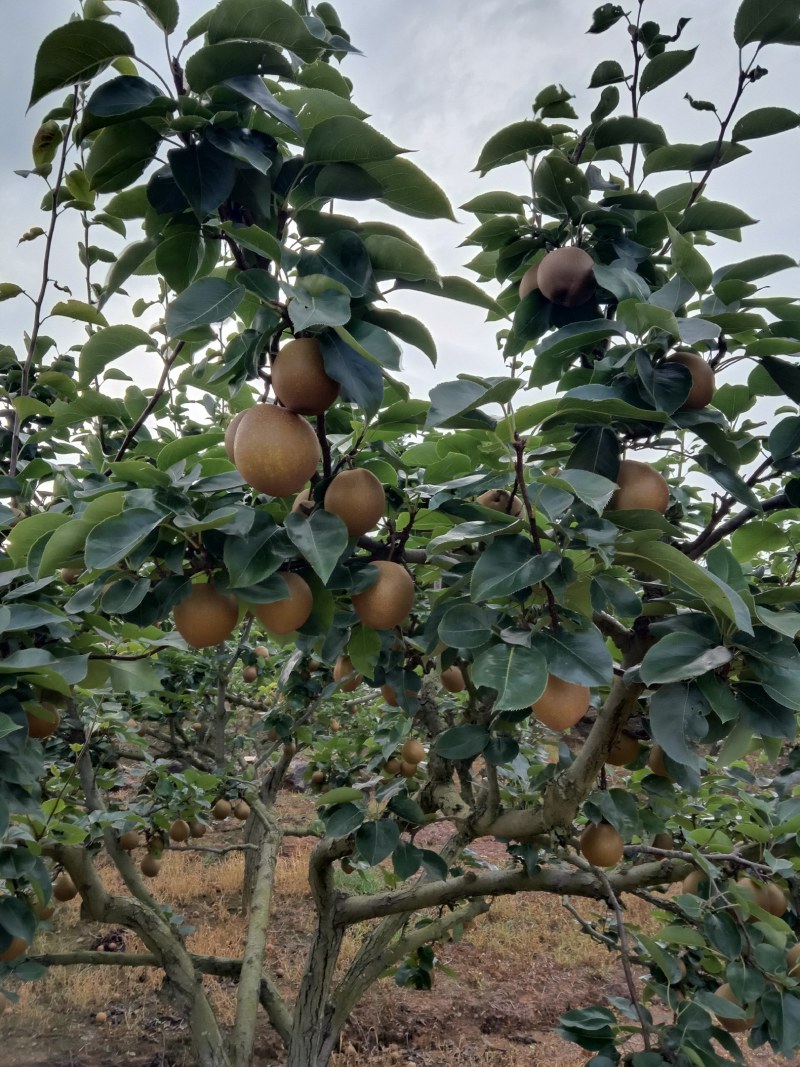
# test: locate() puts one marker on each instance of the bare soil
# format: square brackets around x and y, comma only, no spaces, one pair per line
[514,973]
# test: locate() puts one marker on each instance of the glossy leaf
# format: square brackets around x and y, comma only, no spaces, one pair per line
[461,742]
[108,344]
[75,53]
[377,840]
[677,722]
[508,565]
[207,300]
[518,674]
[322,538]
[665,66]
[347,140]
[680,656]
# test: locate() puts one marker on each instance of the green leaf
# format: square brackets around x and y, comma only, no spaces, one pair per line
[615,806]
[347,140]
[64,544]
[343,819]
[106,345]
[463,396]
[461,742]
[669,564]
[163,12]
[677,657]
[765,121]
[406,860]
[605,16]
[581,657]
[8,290]
[377,840]
[663,67]
[179,255]
[250,559]
[120,154]
[262,20]
[207,300]
[27,532]
[408,329]
[252,87]
[255,239]
[677,722]
[577,335]
[393,258]
[749,270]
[318,301]
[688,262]
[495,203]
[80,311]
[407,188]
[112,540]
[128,262]
[714,215]
[220,63]
[557,183]
[785,375]
[204,175]
[512,143]
[625,129]
[191,445]
[75,53]
[592,489]
[322,538]
[343,795]
[455,288]
[121,95]
[606,73]
[508,565]
[465,626]
[765,21]
[361,380]
[518,674]
[363,648]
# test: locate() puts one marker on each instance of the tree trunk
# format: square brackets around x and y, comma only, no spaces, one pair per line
[313,1038]
[254,834]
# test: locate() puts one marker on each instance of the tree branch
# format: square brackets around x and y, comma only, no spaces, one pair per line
[151,403]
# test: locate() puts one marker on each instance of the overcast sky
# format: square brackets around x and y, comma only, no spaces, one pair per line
[440,76]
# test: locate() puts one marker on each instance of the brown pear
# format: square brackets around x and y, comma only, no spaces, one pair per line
[640,487]
[793,961]
[358,498]
[624,750]
[343,668]
[387,602]
[529,281]
[230,433]
[412,751]
[703,381]
[64,888]
[566,276]
[150,866]
[18,947]
[222,809]
[602,845]
[179,831]
[389,695]
[283,616]
[393,766]
[241,810]
[43,720]
[276,450]
[261,651]
[733,1026]
[453,680]
[655,762]
[206,617]
[498,500]
[250,674]
[299,379]
[130,840]
[562,704]
[198,829]
[303,503]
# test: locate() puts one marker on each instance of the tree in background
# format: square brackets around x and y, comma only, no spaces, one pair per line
[618,560]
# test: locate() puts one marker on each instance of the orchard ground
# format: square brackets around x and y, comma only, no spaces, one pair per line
[513,973]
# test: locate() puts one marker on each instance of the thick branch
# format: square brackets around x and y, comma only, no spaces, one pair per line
[504,883]
[244,1030]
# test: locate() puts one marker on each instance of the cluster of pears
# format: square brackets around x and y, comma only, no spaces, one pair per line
[276,450]
[411,755]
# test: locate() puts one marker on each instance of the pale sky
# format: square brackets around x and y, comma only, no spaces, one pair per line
[440,76]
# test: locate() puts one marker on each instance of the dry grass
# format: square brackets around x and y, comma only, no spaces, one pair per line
[516,969]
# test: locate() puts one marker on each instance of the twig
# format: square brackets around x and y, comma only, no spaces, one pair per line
[519,449]
[25,380]
[151,403]
[324,445]
[219,849]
